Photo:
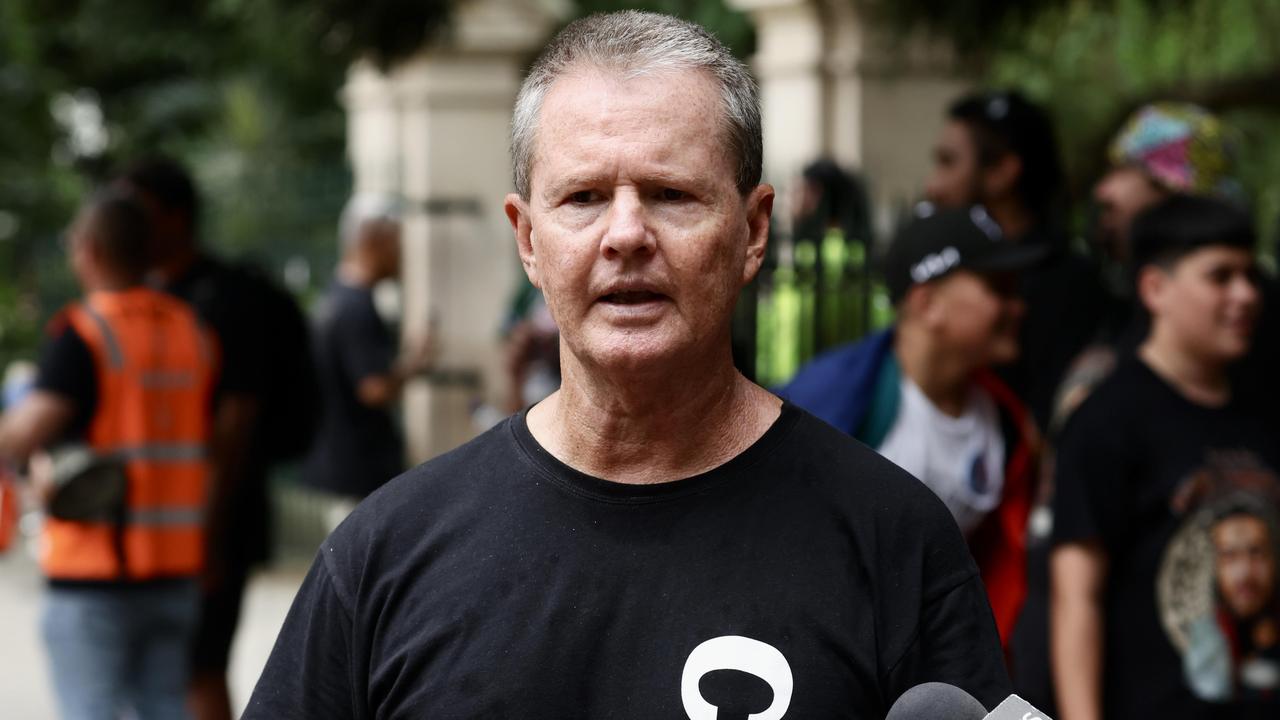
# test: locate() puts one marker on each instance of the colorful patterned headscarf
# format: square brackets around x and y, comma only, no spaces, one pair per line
[1180,146]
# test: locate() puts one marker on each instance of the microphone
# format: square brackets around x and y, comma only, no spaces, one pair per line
[940,701]
[936,701]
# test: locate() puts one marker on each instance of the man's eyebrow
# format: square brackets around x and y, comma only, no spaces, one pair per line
[559,187]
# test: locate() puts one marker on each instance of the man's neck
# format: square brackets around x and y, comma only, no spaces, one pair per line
[176,265]
[1015,221]
[945,379]
[1203,382]
[651,428]
[355,274]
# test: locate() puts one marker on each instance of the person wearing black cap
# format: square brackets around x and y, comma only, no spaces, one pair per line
[923,395]
[997,149]
[1161,440]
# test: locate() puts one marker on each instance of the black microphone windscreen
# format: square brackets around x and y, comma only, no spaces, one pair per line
[936,701]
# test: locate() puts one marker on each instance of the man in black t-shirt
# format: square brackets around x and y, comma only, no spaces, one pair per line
[1142,470]
[256,325]
[358,446]
[997,149]
[660,538]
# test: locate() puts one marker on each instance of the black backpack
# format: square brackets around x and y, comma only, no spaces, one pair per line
[291,402]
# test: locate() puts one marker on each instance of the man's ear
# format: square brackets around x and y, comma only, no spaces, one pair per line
[517,209]
[1001,177]
[920,304]
[759,204]
[1152,281]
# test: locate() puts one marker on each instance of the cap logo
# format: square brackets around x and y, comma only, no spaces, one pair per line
[985,223]
[935,264]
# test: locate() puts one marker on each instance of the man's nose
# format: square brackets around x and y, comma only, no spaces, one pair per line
[1244,289]
[627,234]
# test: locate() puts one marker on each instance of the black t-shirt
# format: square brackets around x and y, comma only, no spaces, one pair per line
[66,368]
[1145,471]
[1065,304]
[225,299]
[807,575]
[357,447]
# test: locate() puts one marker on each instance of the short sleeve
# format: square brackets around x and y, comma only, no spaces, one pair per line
[1091,477]
[309,672]
[935,623]
[66,368]
[956,643]
[364,343]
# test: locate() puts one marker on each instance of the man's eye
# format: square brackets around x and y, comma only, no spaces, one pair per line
[673,195]
[582,197]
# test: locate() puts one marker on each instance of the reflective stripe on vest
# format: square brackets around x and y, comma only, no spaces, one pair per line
[154,383]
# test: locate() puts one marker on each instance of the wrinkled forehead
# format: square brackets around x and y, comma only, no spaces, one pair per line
[636,100]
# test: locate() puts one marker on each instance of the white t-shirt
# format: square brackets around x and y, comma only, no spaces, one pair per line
[960,458]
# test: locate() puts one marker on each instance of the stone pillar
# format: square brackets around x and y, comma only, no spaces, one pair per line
[834,84]
[434,130]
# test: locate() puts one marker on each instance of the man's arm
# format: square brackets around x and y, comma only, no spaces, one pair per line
[309,673]
[378,391]
[1078,576]
[370,358]
[235,416]
[35,423]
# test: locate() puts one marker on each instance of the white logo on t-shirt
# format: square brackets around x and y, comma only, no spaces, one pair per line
[733,652]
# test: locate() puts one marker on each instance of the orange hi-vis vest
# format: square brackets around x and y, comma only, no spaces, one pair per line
[155,369]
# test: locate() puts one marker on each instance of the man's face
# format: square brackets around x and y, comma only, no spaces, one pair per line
[634,228]
[956,178]
[977,316]
[1208,300]
[79,247]
[1246,567]
[1121,195]
[170,229]
[384,249]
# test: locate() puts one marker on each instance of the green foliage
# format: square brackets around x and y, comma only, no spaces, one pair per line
[733,28]
[244,92]
[1094,62]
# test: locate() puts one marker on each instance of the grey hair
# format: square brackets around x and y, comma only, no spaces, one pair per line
[365,209]
[636,43]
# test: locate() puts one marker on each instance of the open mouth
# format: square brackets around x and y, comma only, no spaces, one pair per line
[632,297]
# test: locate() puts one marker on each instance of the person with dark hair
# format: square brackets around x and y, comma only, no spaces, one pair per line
[121,400]
[660,537]
[997,149]
[922,393]
[1135,462]
[266,408]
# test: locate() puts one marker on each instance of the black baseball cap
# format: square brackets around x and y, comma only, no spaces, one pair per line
[938,243]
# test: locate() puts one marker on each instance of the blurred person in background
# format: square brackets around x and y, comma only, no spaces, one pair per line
[998,150]
[923,394]
[123,389]
[266,409]
[1162,149]
[359,446]
[1166,433]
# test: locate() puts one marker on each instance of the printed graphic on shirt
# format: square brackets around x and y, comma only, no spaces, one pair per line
[1217,589]
[721,681]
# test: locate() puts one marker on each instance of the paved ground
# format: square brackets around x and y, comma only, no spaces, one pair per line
[24,683]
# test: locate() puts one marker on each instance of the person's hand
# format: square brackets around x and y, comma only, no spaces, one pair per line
[420,352]
[40,475]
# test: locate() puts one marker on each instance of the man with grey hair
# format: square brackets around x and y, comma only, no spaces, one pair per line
[660,538]
[358,447]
